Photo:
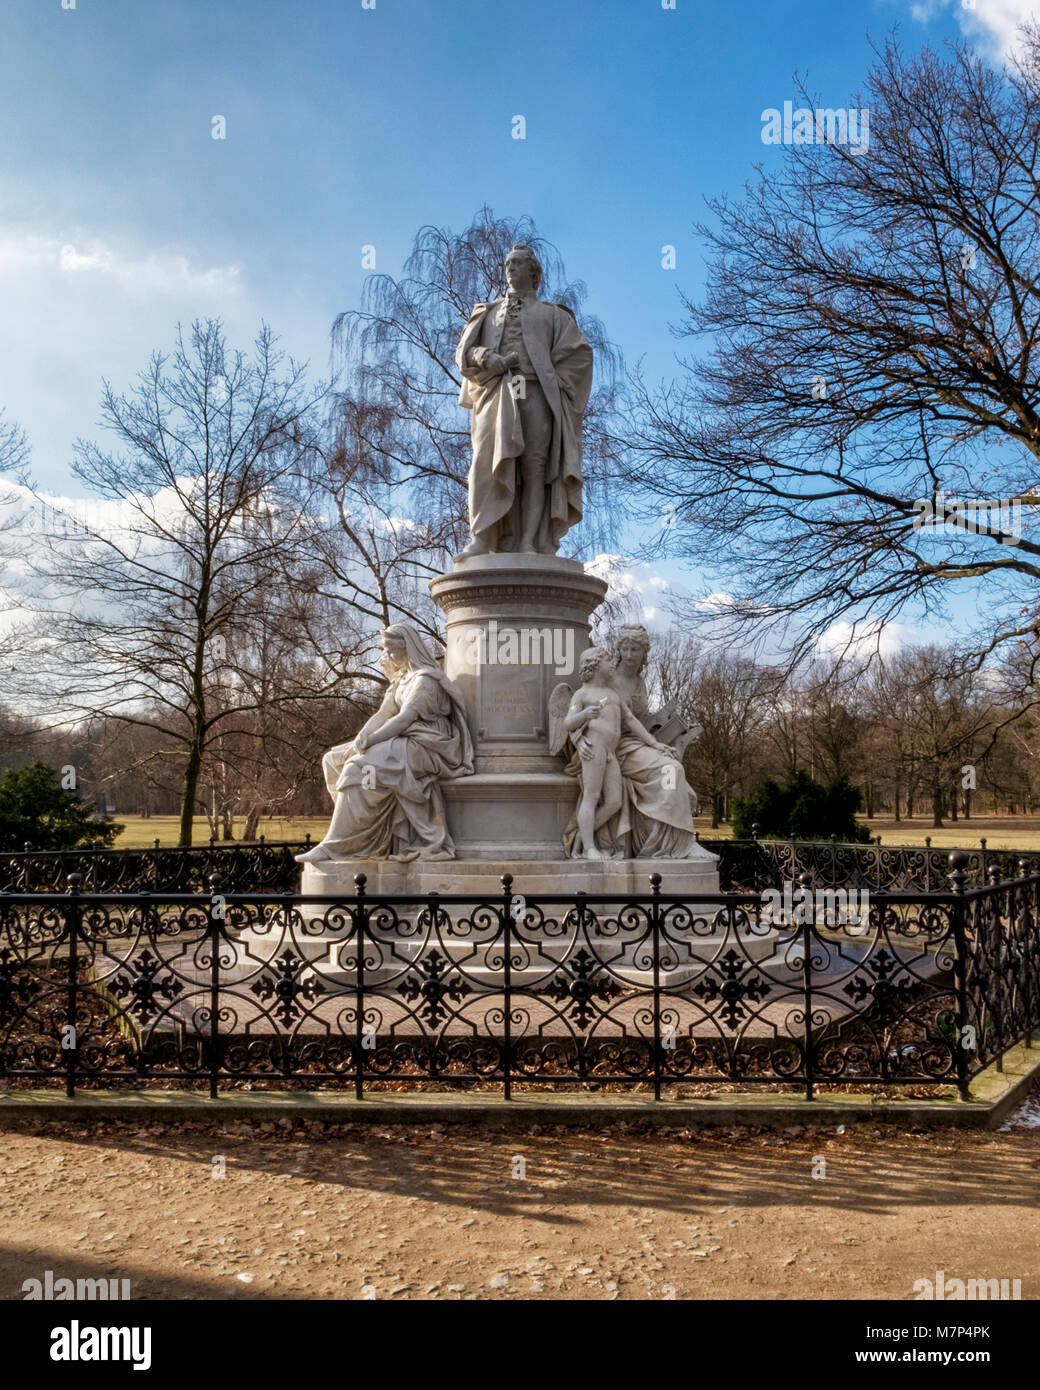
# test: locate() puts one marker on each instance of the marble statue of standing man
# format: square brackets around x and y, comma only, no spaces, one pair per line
[526,375]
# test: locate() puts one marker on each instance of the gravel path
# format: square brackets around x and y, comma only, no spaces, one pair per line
[453,1212]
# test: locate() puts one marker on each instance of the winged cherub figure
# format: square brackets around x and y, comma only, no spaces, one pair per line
[593,718]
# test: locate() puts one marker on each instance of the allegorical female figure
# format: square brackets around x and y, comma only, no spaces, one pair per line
[656,816]
[386,781]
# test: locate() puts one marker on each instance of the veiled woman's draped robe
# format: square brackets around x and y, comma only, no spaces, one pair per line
[388,798]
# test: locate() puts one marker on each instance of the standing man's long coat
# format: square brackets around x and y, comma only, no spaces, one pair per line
[562,360]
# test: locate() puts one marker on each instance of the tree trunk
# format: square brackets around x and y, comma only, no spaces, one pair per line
[937,808]
[716,811]
[189,791]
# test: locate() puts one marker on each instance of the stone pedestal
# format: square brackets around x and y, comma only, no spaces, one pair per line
[516,626]
[546,936]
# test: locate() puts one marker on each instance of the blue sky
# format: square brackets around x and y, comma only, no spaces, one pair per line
[120,215]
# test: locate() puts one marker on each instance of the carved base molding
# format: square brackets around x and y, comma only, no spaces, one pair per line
[516,625]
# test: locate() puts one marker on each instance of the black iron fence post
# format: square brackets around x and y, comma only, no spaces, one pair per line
[582,925]
[994,945]
[756,831]
[507,981]
[808,920]
[655,933]
[1026,933]
[360,920]
[957,876]
[216,916]
[70,1041]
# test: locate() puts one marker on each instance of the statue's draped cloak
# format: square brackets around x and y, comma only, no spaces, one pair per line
[562,360]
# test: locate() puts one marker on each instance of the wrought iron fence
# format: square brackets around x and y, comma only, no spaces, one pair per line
[758,864]
[252,989]
[266,865]
[270,866]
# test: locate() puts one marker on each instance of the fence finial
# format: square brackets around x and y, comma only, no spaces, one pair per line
[958,859]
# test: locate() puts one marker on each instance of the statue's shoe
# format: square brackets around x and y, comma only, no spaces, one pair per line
[475,547]
[317,855]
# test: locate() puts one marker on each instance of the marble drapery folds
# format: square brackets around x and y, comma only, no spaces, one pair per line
[561,358]
[387,793]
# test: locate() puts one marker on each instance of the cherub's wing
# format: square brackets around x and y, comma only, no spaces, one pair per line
[559,704]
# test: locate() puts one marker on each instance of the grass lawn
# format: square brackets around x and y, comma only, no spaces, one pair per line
[142,833]
[1000,832]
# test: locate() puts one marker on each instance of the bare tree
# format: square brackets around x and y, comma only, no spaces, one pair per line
[204,504]
[874,316]
[14,446]
[944,715]
[729,701]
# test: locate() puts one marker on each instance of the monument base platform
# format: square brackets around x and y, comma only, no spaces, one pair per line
[548,936]
[531,877]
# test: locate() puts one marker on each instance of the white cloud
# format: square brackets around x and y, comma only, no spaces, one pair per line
[843,639]
[153,273]
[715,603]
[637,585]
[30,521]
[994,22]
[92,305]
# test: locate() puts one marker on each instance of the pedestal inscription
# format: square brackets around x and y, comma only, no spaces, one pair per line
[510,704]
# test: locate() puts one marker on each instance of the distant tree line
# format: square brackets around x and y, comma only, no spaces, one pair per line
[914,732]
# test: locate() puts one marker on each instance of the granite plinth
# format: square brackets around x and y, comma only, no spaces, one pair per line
[621,877]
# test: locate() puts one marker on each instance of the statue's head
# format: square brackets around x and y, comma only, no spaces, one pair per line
[394,660]
[404,650]
[523,270]
[593,661]
[633,646]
